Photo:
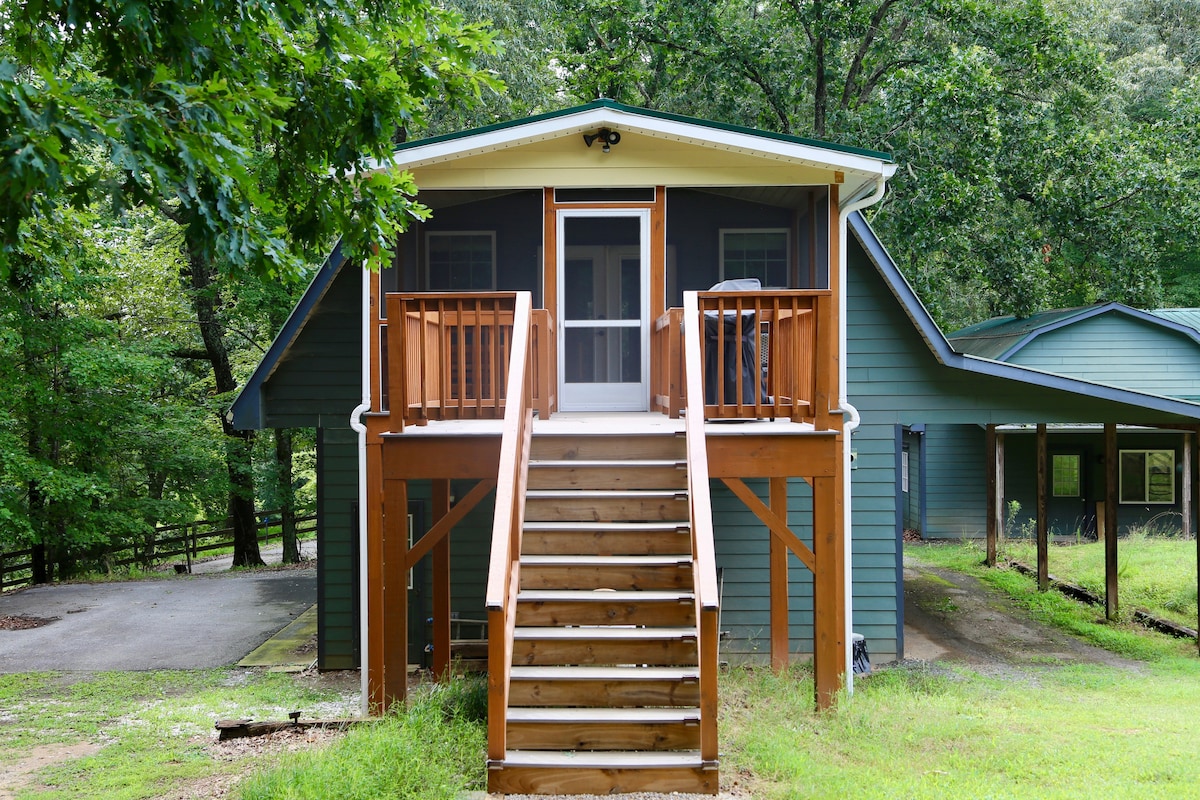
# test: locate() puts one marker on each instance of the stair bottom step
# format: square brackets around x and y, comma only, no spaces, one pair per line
[535,772]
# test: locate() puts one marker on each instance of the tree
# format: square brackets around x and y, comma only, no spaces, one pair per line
[186,99]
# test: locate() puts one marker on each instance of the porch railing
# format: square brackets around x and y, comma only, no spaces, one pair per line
[504,566]
[446,356]
[704,563]
[763,354]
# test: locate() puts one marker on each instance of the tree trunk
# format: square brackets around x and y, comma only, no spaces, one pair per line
[820,89]
[286,494]
[238,444]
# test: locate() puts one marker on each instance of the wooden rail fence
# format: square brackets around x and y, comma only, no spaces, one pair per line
[186,541]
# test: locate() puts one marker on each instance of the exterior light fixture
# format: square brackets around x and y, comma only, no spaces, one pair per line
[607,138]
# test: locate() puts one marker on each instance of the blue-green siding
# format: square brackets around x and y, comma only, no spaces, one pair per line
[337,549]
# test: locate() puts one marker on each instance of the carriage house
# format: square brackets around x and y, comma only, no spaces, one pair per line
[542,429]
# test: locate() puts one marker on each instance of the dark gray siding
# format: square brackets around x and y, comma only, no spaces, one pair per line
[956,486]
[317,383]
[337,547]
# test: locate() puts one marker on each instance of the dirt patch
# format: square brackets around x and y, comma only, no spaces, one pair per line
[949,616]
[14,777]
[10,622]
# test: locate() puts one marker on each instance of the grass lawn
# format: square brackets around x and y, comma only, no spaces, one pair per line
[909,731]
[1155,573]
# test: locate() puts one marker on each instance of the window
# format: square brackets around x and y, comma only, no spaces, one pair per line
[460,261]
[756,253]
[1147,476]
[904,471]
[1064,470]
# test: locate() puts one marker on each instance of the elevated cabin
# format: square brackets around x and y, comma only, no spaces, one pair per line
[539,427]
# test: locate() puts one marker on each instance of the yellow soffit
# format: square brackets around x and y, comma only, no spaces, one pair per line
[639,159]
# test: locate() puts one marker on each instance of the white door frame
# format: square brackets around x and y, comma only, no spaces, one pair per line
[604,396]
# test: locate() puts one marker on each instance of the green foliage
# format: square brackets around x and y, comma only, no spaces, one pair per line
[431,750]
[182,98]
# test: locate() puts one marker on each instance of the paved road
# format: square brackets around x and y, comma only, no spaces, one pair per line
[184,622]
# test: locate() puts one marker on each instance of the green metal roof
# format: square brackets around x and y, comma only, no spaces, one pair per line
[998,337]
[1184,316]
[645,112]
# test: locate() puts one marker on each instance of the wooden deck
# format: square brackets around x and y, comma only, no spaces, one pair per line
[602,598]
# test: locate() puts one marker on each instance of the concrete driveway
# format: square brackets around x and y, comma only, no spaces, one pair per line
[184,622]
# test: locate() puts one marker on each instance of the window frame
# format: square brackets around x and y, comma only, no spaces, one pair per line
[429,237]
[787,251]
[1078,475]
[1145,500]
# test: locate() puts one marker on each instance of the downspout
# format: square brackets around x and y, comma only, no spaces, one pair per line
[849,425]
[358,427]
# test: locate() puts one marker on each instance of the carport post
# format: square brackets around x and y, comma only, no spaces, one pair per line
[1043,533]
[1110,520]
[993,503]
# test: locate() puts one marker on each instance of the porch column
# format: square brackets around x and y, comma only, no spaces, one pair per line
[1110,520]
[1043,527]
[829,590]
[395,592]
[441,584]
[1187,485]
[992,502]
[780,643]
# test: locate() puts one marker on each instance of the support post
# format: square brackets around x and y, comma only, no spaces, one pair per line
[1187,485]
[1043,527]
[992,502]
[779,580]
[394,632]
[1110,520]
[441,584]
[829,591]
[374,583]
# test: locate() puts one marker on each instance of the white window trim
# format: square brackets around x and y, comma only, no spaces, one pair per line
[1078,475]
[904,471]
[429,236]
[787,254]
[1145,478]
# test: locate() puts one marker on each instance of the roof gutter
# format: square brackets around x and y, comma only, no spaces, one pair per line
[361,429]
[849,425]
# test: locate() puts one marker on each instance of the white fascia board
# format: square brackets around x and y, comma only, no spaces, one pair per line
[418,155]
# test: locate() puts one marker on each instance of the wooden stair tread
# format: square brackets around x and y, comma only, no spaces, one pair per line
[615,632]
[606,673]
[608,494]
[576,526]
[602,759]
[585,560]
[575,463]
[602,596]
[649,716]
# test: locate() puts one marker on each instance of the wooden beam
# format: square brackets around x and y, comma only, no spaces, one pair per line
[780,639]
[1043,527]
[426,456]
[373,661]
[770,517]
[446,522]
[1110,520]
[394,630]
[750,455]
[440,505]
[993,510]
[829,591]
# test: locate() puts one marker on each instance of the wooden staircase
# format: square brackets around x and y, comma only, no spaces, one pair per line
[604,687]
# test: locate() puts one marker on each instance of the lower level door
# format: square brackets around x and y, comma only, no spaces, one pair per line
[604,310]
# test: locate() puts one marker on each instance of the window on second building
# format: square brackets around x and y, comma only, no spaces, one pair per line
[1065,475]
[755,253]
[460,261]
[1147,476]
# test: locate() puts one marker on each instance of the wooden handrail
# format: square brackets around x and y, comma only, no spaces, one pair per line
[794,324]
[703,549]
[504,565]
